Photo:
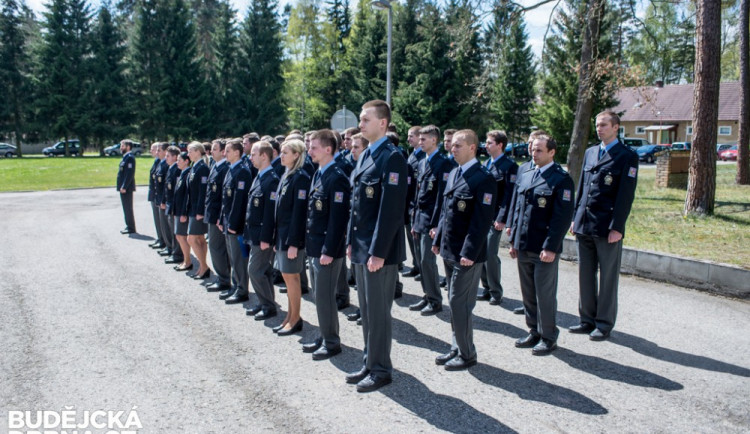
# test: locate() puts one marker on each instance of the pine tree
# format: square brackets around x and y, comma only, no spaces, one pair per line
[14,68]
[366,57]
[223,102]
[406,36]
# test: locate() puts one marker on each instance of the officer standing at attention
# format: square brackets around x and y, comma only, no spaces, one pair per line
[126,185]
[461,239]
[543,206]
[159,242]
[233,204]
[217,244]
[413,162]
[605,195]
[504,169]
[375,241]
[170,184]
[160,189]
[327,218]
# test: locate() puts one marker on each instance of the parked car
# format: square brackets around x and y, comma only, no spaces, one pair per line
[723,147]
[634,143]
[114,150]
[74,147]
[7,150]
[517,150]
[482,150]
[648,153]
[680,146]
[729,154]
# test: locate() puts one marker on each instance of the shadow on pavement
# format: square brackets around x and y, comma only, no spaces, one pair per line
[141,237]
[534,389]
[608,370]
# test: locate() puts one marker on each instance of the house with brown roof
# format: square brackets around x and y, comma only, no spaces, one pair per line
[664,114]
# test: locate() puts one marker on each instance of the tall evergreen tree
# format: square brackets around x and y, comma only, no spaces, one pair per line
[223,102]
[366,57]
[14,70]
[406,23]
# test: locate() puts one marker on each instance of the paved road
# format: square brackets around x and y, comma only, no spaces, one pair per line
[93,319]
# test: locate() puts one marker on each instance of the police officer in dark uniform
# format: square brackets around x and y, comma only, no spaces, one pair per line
[217,244]
[430,183]
[126,185]
[233,206]
[605,196]
[170,183]
[411,195]
[327,218]
[342,285]
[159,242]
[376,241]
[504,169]
[461,239]
[259,231]
[160,187]
[543,207]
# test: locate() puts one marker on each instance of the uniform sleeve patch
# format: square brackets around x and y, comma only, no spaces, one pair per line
[487,199]
[566,195]
[408,180]
[302,194]
[204,179]
[241,185]
[633,172]
[130,165]
[513,178]
[393,178]
[445,176]
[338,196]
[273,195]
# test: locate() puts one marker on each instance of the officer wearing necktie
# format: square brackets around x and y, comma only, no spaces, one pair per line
[126,185]
[159,242]
[605,196]
[461,239]
[542,208]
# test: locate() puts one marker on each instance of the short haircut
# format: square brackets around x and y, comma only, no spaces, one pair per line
[351,131]
[326,138]
[127,142]
[551,143]
[392,127]
[265,148]
[469,136]
[498,136]
[163,146]
[382,110]
[293,136]
[295,131]
[307,134]
[279,138]
[235,145]
[339,139]
[361,138]
[393,136]
[222,143]
[450,132]
[253,137]
[614,118]
[173,150]
[430,130]
[415,129]
[184,156]
[272,141]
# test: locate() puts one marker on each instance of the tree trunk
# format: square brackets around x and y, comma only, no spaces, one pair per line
[702,179]
[586,83]
[743,149]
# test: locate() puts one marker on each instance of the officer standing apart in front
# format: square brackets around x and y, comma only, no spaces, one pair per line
[605,195]
[126,185]
[543,206]
[376,242]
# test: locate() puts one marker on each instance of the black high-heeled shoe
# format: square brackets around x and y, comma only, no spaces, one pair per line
[179,268]
[203,276]
[278,328]
[297,328]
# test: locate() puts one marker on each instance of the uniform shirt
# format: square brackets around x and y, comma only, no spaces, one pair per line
[214,191]
[198,184]
[328,212]
[126,174]
[291,210]
[468,209]
[606,190]
[261,208]
[234,197]
[378,203]
[542,209]
[430,183]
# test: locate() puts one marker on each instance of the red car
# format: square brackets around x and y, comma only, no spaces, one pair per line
[729,154]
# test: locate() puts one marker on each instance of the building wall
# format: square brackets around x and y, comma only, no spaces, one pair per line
[634,129]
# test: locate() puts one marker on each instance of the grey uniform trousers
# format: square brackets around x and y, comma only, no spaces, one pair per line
[324,280]
[238,263]
[491,270]
[429,270]
[539,291]
[375,292]
[157,223]
[217,246]
[261,275]
[462,283]
[598,299]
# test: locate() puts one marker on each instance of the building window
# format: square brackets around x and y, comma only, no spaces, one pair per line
[689,131]
[622,131]
[640,130]
[725,131]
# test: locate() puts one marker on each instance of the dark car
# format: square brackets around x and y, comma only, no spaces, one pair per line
[648,153]
[7,150]
[114,150]
[517,150]
[681,146]
[729,154]
[634,143]
[74,147]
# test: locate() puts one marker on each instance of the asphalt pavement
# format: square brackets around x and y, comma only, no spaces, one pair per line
[94,320]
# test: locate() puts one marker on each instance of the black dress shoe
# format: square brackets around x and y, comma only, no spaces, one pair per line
[203,276]
[418,305]
[157,245]
[277,328]
[372,383]
[411,273]
[265,314]
[359,321]
[418,278]
[519,311]
[582,328]
[484,296]
[323,353]
[528,341]
[356,377]
[127,231]
[353,316]
[305,290]
[313,346]
[351,281]
[342,303]
[226,294]
[443,283]
[495,301]
[172,260]
[236,299]
[282,290]
[253,310]
[399,292]
[216,287]
[444,358]
[544,347]
[431,309]
[598,335]
[459,363]
[164,252]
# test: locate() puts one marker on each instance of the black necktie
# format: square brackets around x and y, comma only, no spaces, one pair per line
[458,175]
[316,177]
[537,172]
[602,151]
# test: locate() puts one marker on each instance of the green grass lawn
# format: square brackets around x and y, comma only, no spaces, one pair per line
[656,222]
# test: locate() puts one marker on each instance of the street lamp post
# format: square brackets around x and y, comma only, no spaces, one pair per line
[386,4]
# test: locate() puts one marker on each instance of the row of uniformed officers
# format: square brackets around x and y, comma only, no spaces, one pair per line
[310,202]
